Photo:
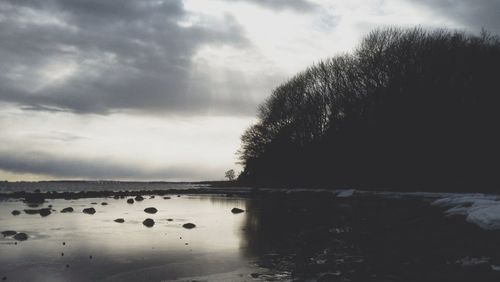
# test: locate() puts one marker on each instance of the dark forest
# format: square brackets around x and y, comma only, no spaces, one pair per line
[409,108]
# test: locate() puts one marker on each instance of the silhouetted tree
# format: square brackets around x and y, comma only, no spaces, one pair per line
[407,107]
[230,175]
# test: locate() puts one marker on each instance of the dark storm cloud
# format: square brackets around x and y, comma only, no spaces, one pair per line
[95,56]
[298,5]
[475,14]
[60,167]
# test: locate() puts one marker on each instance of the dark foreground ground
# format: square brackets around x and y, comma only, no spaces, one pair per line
[281,236]
[369,239]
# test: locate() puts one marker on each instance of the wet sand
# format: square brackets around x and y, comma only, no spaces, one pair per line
[279,236]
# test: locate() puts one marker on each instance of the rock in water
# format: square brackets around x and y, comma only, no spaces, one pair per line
[151,210]
[28,211]
[68,209]
[42,212]
[148,222]
[21,237]
[89,210]
[45,212]
[34,198]
[189,225]
[8,233]
[120,220]
[237,210]
[16,212]
[139,198]
[130,201]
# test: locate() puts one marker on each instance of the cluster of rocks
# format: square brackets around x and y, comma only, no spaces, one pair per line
[47,211]
[19,236]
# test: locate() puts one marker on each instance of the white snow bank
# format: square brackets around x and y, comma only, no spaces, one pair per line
[482,210]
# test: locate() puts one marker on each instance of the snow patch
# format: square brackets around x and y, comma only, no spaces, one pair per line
[345,193]
[480,209]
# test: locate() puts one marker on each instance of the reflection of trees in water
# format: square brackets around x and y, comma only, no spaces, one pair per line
[226,201]
[290,227]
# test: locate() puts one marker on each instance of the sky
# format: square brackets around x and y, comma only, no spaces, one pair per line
[163,89]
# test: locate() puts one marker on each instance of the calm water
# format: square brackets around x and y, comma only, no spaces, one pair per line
[97,248]
[281,236]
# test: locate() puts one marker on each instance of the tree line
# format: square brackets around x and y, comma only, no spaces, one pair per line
[410,107]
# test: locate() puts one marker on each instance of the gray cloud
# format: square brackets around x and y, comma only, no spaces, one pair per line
[475,14]
[298,5]
[63,167]
[96,56]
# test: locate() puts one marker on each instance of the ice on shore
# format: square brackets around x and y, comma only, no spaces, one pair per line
[480,209]
[345,193]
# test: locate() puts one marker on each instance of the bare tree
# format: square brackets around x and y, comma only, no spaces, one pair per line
[230,175]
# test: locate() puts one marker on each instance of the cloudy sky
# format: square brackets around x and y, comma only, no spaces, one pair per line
[163,89]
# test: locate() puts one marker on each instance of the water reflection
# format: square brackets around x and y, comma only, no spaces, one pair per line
[97,248]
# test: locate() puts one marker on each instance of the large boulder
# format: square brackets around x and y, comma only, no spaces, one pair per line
[89,210]
[189,225]
[148,222]
[21,237]
[42,212]
[9,233]
[45,212]
[68,209]
[237,210]
[151,210]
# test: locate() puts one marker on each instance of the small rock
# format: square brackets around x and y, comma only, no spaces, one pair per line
[237,210]
[116,197]
[152,197]
[8,233]
[151,210]
[255,275]
[68,209]
[94,203]
[167,198]
[89,210]
[16,212]
[64,243]
[130,201]
[148,222]
[62,254]
[120,220]
[21,237]
[67,265]
[170,219]
[139,198]
[104,203]
[189,225]
[90,257]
